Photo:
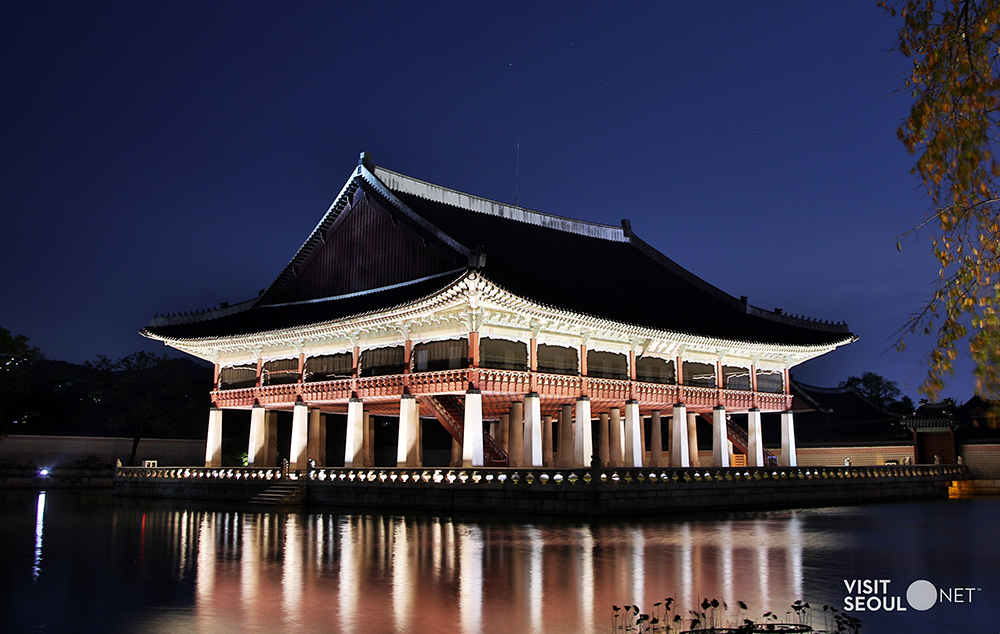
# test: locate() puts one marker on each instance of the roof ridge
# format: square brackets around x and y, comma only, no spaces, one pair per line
[438,193]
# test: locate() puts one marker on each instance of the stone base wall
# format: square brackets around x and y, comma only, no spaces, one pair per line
[51,451]
[57,478]
[188,489]
[983,461]
[580,499]
[973,488]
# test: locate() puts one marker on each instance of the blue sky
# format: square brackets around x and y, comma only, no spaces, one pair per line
[164,157]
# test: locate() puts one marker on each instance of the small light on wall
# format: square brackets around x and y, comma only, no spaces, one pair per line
[43,473]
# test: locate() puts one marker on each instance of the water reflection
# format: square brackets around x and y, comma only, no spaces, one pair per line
[354,573]
[36,568]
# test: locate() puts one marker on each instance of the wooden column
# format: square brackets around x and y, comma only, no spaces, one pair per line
[566,440]
[504,439]
[516,443]
[603,442]
[271,446]
[693,456]
[547,441]
[615,448]
[369,439]
[315,425]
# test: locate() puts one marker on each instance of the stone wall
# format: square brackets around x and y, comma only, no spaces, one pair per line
[983,461]
[580,499]
[50,451]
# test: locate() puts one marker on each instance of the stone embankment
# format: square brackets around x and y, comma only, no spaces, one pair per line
[568,492]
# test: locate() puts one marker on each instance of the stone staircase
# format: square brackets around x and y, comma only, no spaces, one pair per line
[282,494]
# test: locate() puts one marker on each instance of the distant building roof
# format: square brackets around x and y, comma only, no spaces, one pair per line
[839,416]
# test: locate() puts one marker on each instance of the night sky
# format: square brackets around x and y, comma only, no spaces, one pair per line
[163,157]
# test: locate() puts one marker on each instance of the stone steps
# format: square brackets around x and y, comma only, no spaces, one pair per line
[282,494]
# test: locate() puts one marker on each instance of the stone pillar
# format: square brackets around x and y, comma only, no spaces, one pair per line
[679,446]
[299,447]
[271,448]
[532,430]
[354,447]
[315,424]
[789,457]
[566,440]
[546,441]
[615,447]
[583,440]
[693,456]
[603,443]
[633,432]
[516,439]
[472,437]
[755,441]
[213,443]
[655,440]
[369,440]
[409,419]
[720,438]
[258,437]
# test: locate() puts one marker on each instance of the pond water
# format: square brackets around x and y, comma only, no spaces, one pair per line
[74,561]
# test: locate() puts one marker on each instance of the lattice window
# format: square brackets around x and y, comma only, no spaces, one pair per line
[502,354]
[771,381]
[329,367]
[558,360]
[238,376]
[699,374]
[654,370]
[441,355]
[280,371]
[607,365]
[381,361]
[735,378]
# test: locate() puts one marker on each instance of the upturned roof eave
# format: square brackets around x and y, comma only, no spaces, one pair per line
[510,300]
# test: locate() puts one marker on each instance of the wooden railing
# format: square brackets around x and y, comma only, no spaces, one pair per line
[500,381]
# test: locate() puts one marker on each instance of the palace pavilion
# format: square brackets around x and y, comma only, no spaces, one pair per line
[413,300]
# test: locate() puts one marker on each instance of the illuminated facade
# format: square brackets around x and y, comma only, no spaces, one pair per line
[512,328]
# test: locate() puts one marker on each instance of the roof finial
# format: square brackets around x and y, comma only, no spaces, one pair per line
[366,160]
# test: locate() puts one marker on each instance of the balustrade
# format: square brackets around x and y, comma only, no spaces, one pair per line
[501,381]
[503,475]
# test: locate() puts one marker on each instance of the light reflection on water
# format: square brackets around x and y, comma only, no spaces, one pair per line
[176,567]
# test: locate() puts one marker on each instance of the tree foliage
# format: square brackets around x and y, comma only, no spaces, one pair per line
[952,129]
[881,391]
[16,358]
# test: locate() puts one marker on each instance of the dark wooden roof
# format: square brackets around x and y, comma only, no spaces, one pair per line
[377,235]
[840,416]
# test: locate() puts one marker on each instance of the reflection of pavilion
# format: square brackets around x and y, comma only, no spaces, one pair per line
[379,573]
[515,329]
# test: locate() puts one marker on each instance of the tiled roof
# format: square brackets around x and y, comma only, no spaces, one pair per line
[599,270]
